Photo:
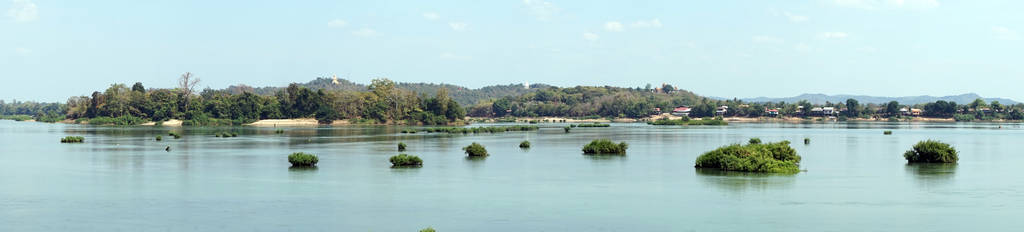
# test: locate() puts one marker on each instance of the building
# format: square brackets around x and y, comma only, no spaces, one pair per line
[916,112]
[772,112]
[681,111]
[828,111]
[721,110]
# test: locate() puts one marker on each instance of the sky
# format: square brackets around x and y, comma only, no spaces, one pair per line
[51,50]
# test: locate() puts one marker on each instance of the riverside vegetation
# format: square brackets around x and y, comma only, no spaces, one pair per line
[931,151]
[524,144]
[474,130]
[475,150]
[776,157]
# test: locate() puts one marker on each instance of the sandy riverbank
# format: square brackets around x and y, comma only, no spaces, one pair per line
[300,122]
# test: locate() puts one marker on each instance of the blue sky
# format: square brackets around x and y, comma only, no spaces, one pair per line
[50,50]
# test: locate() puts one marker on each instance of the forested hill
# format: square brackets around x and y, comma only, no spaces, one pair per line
[823,98]
[463,95]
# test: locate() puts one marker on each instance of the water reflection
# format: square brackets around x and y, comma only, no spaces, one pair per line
[744,181]
[608,157]
[301,172]
[928,175]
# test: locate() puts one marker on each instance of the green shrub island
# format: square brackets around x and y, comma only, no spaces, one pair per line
[755,141]
[428,229]
[807,140]
[524,144]
[174,134]
[475,149]
[931,151]
[594,125]
[770,158]
[403,160]
[279,131]
[567,129]
[401,146]
[73,139]
[159,138]
[888,132]
[604,146]
[300,159]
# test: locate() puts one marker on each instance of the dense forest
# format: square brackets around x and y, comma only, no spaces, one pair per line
[384,101]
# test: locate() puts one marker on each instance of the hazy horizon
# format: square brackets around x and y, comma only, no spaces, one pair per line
[754,49]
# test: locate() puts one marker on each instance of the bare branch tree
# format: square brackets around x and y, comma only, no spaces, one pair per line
[187,85]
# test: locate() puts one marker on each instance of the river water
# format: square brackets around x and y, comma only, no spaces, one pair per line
[856,179]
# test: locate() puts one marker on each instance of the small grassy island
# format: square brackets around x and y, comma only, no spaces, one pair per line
[604,146]
[73,139]
[404,160]
[888,132]
[686,121]
[524,144]
[474,130]
[475,150]
[931,151]
[770,158]
[159,138]
[300,159]
[593,125]
[174,134]
[401,146]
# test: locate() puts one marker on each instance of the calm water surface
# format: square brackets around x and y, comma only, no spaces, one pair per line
[121,179]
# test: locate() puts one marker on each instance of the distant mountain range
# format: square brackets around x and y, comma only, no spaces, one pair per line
[863,99]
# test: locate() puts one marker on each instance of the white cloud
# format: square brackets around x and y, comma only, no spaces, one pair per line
[452,56]
[541,9]
[590,36]
[1004,33]
[337,23]
[795,18]
[431,16]
[833,35]
[365,32]
[653,23]
[887,4]
[613,26]
[458,26]
[23,11]
[766,39]
[23,51]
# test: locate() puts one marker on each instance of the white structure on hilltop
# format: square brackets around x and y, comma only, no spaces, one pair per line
[335,81]
[526,85]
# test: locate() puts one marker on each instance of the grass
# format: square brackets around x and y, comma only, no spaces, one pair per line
[72,139]
[604,146]
[428,229]
[401,146]
[475,149]
[524,144]
[770,158]
[174,134]
[403,160]
[594,125]
[300,159]
[931,151]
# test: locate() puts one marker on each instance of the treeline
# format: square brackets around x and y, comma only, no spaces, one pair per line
[594,102]
[381,103]
[45,112]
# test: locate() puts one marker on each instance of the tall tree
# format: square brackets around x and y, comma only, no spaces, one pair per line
[187,85]
[851,108]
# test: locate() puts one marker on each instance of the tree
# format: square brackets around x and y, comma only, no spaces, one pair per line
[137,87]
[976,104]
[187,84]
[892,108]
[851,108]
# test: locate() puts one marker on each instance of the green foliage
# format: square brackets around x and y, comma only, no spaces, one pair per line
[686,121]
[930,151]
[403,160]
[300,159]
[18,118]
[594,125]
[174,134]
[605,146]
[475,149]
[524,144]
[124,120]
[475,130]
[755,141]
[428,229]
[159,138]
[888,132]
[807,140]
[279,131]
[401,146]
[72,139]
[771,157]
[964,117]
[567,128]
